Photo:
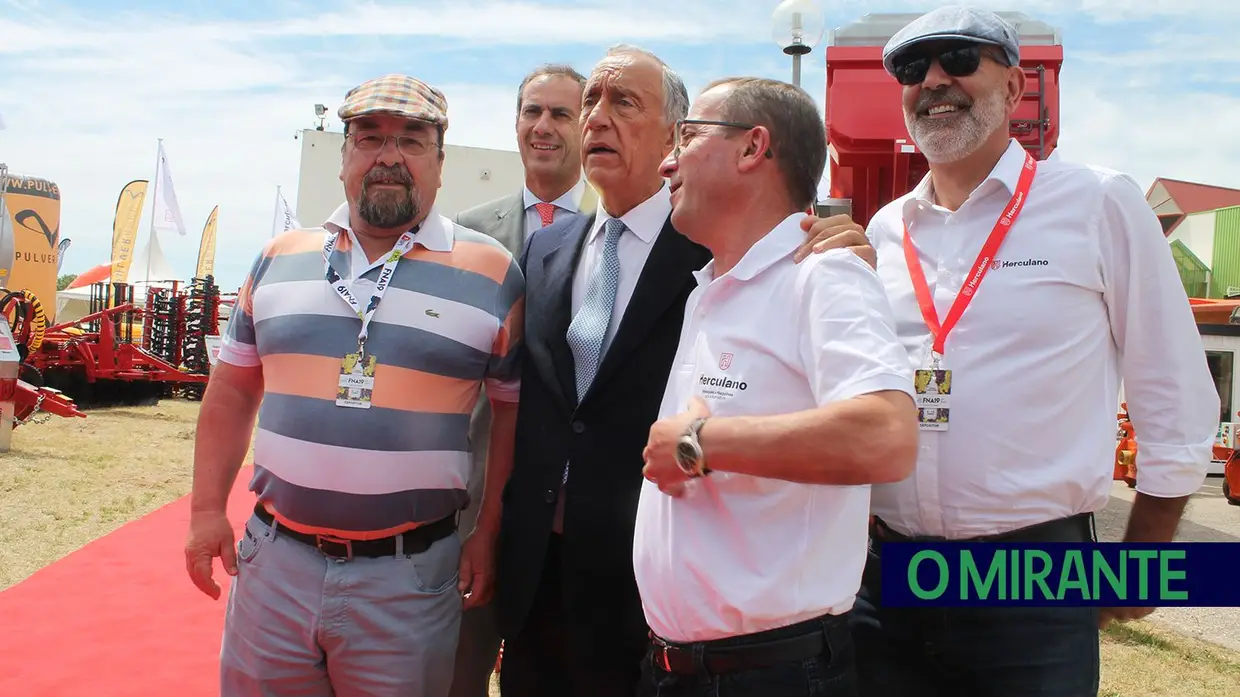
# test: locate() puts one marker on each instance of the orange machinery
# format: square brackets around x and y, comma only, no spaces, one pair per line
[1126,450]
[1126,459]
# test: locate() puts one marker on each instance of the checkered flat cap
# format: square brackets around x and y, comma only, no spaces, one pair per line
[398,95]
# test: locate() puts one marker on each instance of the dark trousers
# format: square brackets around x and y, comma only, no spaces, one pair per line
[766,664]
[544,661]
[975,651]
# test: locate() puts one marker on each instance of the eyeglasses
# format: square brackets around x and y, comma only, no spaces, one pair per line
[957,61]
[706,122]
[412,146]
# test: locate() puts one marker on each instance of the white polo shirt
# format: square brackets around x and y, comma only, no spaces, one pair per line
[739,554]
[1083,292]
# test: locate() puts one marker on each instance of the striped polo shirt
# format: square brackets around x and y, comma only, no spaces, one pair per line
[451,319]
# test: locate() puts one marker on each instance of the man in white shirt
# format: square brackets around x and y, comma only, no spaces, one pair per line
[1082,293]
[789,394]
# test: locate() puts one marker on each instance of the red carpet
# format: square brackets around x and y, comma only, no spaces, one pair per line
[119,616]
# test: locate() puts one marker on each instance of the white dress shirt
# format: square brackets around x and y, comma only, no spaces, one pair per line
[643,223]
[1083,293]
[739,554]
[568,202]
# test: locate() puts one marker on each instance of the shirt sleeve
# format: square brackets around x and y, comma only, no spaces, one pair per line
[1171,396]
[239,345]
[503,378]
[849,345]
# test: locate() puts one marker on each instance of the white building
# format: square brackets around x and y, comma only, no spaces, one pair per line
[470,176]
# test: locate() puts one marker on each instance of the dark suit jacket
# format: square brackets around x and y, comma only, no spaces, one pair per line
[503,219]
[603,437]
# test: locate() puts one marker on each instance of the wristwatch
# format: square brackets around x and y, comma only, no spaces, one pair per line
[689,455]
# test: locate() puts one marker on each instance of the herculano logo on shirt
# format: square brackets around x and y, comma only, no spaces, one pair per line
[725,383]
[1000,264]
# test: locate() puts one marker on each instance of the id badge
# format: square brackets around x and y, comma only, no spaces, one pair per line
[934,390]
[357,381]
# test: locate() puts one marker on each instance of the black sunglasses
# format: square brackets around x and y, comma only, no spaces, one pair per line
[957,61]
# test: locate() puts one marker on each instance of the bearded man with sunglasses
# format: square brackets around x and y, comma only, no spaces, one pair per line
[1024,292]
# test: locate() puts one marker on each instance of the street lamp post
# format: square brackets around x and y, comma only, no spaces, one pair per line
[797,28]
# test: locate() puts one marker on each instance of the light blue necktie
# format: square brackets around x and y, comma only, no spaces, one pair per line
[589,326]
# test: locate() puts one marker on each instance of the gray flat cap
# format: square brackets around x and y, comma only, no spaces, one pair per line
[955,22]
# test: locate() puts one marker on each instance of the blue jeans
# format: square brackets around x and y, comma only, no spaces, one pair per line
[972,651]
[829,674]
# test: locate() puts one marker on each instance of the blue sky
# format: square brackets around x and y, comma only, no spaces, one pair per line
[1150,87]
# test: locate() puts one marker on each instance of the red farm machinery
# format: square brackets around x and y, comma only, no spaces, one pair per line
[122,353]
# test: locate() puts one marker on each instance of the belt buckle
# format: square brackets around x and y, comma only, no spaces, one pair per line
[347,544]
[659,655]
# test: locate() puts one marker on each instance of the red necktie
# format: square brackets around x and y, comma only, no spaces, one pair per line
[546,211]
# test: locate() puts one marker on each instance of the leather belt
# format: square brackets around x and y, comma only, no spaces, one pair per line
[1075,528]
[725,659]
[413,541]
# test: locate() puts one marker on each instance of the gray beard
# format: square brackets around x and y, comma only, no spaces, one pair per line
[954,141]
[389,210]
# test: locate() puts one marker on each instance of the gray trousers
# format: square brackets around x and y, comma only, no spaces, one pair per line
[301,624]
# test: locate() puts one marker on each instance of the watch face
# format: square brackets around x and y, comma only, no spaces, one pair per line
[686,455]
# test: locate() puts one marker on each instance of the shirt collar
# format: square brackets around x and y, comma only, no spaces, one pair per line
[570,200]
[646,219]
[434,234]
[781,242]
[1006,172]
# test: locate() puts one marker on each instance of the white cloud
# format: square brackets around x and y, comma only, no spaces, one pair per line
[85,98]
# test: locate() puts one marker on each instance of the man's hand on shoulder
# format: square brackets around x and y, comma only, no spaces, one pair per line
[832,233]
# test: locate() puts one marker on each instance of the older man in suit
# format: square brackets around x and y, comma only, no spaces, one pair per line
[549,139]
[567,601]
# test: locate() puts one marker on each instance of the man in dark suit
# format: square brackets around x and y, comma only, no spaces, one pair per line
[549,140]
[605,294]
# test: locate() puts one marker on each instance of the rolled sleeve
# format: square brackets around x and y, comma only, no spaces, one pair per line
[503,378]
[1171,395]
[239,345]
[849,344]
[239,354]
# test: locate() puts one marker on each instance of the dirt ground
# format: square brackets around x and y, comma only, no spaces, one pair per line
[68,481]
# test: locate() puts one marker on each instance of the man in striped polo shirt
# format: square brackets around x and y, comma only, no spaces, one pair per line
[366,342]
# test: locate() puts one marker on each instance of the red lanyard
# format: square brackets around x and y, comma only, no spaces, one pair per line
[980,267]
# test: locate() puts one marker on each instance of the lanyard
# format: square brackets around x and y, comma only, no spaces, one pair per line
[980,267]
[402,247]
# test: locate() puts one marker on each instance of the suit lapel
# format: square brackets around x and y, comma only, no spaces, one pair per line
[509,226]
[558,266]
[666,273]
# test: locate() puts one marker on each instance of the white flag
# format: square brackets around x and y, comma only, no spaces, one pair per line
[167,213]
[285,219]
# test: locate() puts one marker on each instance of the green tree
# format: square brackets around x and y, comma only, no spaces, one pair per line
[64,280]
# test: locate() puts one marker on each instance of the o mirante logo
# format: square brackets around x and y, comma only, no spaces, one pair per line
[944,574]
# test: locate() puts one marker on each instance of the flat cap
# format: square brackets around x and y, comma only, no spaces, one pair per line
[959,23]
[397,95]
